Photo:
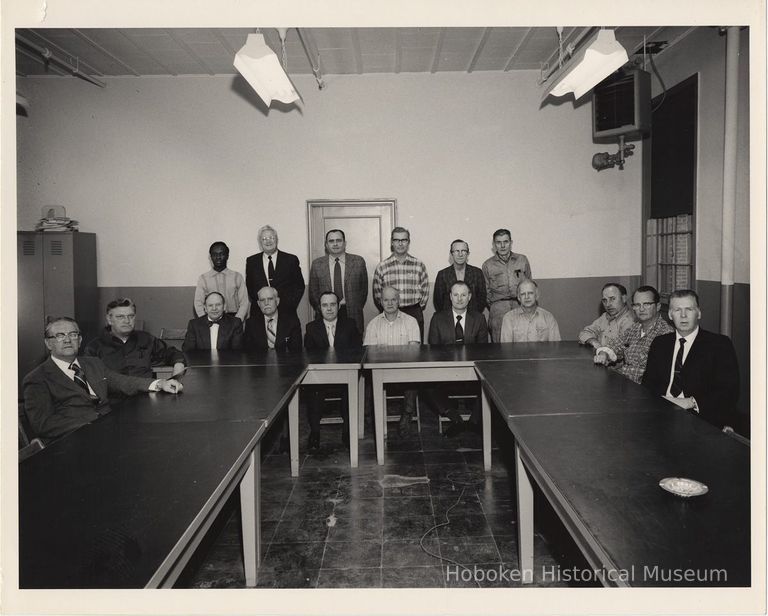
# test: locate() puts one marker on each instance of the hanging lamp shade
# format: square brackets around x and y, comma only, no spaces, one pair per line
[259,65]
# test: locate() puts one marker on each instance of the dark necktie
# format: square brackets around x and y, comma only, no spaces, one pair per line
[677,388]
[80,377]
[270,270]
[271,333]
[459,329]
[338,285]
[212,323]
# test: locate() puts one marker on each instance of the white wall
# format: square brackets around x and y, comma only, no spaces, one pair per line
[160,167]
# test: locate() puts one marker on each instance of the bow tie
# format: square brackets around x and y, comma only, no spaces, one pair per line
[212,323]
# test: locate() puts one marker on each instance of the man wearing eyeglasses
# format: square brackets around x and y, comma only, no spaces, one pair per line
[628,354]
[459,271]
[66,392]
[405,273]
[129,351]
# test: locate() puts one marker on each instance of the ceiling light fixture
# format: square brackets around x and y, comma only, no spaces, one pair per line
[259,65]
[600,56]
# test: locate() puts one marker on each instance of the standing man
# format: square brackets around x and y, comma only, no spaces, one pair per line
[66,392]
[503,273]
[269,328]
[628,354]
[529,322]
[616,319]
[274,268]
[458,324]
[343,273]
[229,283]
[460,271]
[330,331]
[392,328]
[216,330]
[407,274]
[692,367]
[129,351]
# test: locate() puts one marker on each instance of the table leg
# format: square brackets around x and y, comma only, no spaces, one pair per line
[353,419]
[486,431]
[378,413]
[250,514]
[524,518]
[293,432]
[361,407]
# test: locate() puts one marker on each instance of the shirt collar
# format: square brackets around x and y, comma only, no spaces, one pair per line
[266,318]
[64,365]
[618,314]
[458,314]
[331,323]
[342,258]
[690,337]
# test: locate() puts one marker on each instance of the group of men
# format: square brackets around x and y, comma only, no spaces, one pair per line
[66,391]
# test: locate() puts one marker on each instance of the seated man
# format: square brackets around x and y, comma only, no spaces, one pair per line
[129,351]
[529,322]
[616,319]
[216,330]
[628,353]
[391,328]
[64,392]
[229,283]
[456,325]
[692,367]
[271,329]
[335,332]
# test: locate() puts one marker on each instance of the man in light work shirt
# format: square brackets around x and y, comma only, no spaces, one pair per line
[391,328]
[223,280]
[628,354]
[503,273]
[407,274]
[529,322]
[616,319]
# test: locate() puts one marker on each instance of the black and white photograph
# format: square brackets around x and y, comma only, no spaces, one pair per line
[342,308]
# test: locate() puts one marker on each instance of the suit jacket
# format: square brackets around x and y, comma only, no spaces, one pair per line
[710,374]
[355,286]
[442,328]
[473,276]
[347,335]
[288,279]
[199,334]
[287,336]
[56,405]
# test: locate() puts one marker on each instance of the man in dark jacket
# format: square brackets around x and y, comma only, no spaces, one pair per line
[215,329]
[270,328]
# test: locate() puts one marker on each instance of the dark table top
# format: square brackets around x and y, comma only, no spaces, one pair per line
[605,469]
[273,358]
[378,356]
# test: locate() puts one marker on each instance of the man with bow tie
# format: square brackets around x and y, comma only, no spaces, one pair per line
[67,391]
[214,330]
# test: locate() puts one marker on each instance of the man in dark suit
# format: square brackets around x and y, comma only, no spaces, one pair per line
[694,368]
[66,392]
[343,273]
[271,328]
[456,325]
[274,268]
[459,271]
[331,330]
[214,330]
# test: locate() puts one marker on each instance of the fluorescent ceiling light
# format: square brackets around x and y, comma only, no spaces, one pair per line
[259,65]
[597,59]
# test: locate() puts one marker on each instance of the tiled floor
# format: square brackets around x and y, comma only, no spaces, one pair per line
[385,526]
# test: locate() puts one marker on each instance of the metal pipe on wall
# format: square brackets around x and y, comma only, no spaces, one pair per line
[729,179]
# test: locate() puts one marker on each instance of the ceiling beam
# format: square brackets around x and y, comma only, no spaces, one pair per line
[513,56]
[438,51]
[223,42]
[479,49]
[183,44]
[106,52]
[358,54]
[146,53]
[398,52]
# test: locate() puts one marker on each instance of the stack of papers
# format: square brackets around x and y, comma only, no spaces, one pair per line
[54,218]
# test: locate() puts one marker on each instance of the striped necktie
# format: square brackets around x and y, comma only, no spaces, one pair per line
[271,333]
[80,377]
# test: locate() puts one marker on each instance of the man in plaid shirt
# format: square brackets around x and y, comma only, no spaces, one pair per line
[407,274]
[628,354]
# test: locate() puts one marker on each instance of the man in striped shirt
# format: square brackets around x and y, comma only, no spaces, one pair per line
[407,274]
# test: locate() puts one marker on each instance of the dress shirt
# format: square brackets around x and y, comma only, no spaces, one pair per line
[605,327]
[230,284]
[265,263]
[521,326]
[274,327]
[381,331]
[630,349]
[65,368]
[409,278]
[331,265]
[502,277]
[214,327]
[463,316]
[689,339]
[330,328]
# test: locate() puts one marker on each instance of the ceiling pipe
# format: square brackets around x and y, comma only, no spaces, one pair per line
[49,56]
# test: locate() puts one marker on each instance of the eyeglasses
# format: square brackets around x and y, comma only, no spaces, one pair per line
[68,336]
[124,317]
[644,305]
[460,252]
[398,240]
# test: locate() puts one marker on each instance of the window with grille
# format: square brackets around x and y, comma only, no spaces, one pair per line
[669,253]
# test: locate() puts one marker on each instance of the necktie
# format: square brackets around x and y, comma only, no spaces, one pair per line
[212,323]
[338,285]
[459,329]
[270,270]
[331,334]
[677,388]
[271,333]
[80,377]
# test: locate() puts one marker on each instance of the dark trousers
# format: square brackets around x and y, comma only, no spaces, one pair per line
[417,313]
[436,396]
[316,395]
